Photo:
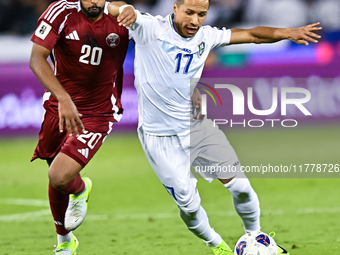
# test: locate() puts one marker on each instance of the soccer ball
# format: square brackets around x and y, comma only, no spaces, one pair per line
[257,243]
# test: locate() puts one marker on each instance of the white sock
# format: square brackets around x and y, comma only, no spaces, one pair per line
[198,223]
[216,241]
[65,238]
[246,202]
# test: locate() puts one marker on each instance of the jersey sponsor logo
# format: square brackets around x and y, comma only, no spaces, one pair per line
[73,36]
[43,30]
[167,47]
[112,40]
[186,50]
[84,152]
[201,48]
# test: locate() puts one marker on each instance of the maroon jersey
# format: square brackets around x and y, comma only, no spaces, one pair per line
[88,57]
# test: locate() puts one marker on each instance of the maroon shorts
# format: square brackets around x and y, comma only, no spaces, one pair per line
[81,148]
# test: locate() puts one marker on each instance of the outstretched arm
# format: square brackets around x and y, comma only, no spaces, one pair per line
[301,35]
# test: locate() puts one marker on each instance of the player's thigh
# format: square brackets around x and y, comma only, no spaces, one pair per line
[76,152]
[171,164]
[50,139]
[82,148]
[212,154]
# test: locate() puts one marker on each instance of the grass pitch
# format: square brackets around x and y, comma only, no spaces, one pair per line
[131,213]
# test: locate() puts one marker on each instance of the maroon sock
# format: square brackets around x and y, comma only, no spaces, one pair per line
[59,201]
[75,187]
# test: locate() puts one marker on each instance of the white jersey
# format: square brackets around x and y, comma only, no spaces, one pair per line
[165,63]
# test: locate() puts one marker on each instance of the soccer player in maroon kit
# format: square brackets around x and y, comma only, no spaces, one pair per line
[87,48]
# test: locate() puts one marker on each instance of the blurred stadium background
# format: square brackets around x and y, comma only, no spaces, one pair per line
[20,92]
[304,212]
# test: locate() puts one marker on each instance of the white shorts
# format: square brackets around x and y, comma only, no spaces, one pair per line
[206,148]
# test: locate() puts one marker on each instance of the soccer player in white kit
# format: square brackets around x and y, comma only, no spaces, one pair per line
[170,52]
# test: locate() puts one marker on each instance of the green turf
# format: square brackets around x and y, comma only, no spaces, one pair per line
[131,213]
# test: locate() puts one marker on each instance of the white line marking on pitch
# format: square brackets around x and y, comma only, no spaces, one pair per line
[38,215]
[24,201]
[25,216]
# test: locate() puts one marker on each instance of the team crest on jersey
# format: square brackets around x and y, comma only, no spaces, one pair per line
[112,40]
[201,48]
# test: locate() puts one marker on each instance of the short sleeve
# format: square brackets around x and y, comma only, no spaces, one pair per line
[219,36]
[146,28]
[49,23]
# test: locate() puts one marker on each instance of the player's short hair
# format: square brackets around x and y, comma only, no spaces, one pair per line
[179,2]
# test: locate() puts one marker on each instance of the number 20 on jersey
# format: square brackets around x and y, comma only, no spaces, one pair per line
[91,55]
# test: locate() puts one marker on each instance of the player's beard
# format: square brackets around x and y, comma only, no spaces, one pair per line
[92,14]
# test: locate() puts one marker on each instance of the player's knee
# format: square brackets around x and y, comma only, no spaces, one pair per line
[240,188]
[243,191]
[57,179]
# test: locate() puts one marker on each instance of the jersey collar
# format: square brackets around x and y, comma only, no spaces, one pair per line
[79,7]
[171,20]
[106,10]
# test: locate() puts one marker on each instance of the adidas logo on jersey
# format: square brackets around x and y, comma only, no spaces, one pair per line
[73,36]
[84,152]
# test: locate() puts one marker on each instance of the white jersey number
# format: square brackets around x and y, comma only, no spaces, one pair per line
[95,53]
[91,139]
[179,57]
